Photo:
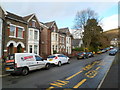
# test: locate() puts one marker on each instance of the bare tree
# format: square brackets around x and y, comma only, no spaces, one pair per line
[82,17]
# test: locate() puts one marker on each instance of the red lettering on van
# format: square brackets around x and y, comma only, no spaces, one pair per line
[28,57]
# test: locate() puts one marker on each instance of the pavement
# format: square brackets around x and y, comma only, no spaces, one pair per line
[111,80]
[2,71]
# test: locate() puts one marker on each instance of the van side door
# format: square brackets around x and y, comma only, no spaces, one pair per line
[40,62]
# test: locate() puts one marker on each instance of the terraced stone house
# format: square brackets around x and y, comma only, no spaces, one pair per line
[34,34]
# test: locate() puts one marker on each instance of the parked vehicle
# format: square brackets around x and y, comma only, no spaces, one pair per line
[82,55]
[103,50]
[58,59]
[111,47]
[113,52]
[90,54]
[22,63]
[99,52]
[107,49]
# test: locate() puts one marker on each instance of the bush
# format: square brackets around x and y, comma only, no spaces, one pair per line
[78,49]
[54,52]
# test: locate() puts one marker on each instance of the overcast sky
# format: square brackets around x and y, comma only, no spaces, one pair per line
[64,12]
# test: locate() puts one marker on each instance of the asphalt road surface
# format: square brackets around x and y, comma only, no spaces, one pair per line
[84,73]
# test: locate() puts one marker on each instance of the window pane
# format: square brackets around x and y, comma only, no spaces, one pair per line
[20,32]
[36,35]
[33,23]
[12,30]
[35,49]
[30,48]
[31,34]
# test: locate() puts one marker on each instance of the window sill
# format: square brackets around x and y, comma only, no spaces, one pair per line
[19,38]
[12,36]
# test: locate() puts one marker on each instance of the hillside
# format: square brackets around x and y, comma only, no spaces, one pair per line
[113,33]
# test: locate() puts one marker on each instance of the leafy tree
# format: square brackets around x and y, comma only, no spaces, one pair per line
[92,34]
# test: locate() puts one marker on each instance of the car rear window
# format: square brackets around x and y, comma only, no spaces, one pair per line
[51,56]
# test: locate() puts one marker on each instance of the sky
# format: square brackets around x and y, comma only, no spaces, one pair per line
[64,12]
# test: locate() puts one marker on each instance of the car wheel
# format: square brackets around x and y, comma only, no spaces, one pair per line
[47,66]
[68,62]
[25,71]
[84,57]
[59,64]
[13,74]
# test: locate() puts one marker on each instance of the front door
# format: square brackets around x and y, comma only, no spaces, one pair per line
[19,49]
[39,62]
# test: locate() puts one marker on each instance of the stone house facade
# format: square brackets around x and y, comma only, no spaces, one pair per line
[54,36]
[68,40]
[15,34]
[34,34]
[45,40]
[2,22]
[62,42]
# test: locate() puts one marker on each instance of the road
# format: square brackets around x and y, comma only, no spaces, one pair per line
[84,73]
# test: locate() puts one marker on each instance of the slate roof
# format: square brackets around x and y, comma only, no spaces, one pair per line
[49,24]
[15,17]
[27,17]
[64,30]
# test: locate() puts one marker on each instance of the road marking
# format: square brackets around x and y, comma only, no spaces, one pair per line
[73,75]
[65,82]
[50,88]
[97,68]
[59,83]
[80,83]
[91,74]
[56,84]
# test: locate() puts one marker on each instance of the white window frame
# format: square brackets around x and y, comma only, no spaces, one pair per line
[29,34]
[15,31]
[38,34]
[22,32]
[37,48]
[29,48]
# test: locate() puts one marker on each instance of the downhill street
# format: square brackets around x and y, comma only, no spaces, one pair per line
[84,73]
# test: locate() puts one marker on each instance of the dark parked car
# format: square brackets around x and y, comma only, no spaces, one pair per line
[90,54]
[112,52]
[82,55]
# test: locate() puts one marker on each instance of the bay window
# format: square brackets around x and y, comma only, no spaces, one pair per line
[36,35]
[31,34]
[30,48]
[35,49]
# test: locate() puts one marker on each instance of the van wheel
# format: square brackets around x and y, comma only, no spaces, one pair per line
[13,74]
[25,71]
[47,66]
[59,64]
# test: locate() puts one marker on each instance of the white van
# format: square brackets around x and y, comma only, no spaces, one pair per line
[22,63]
